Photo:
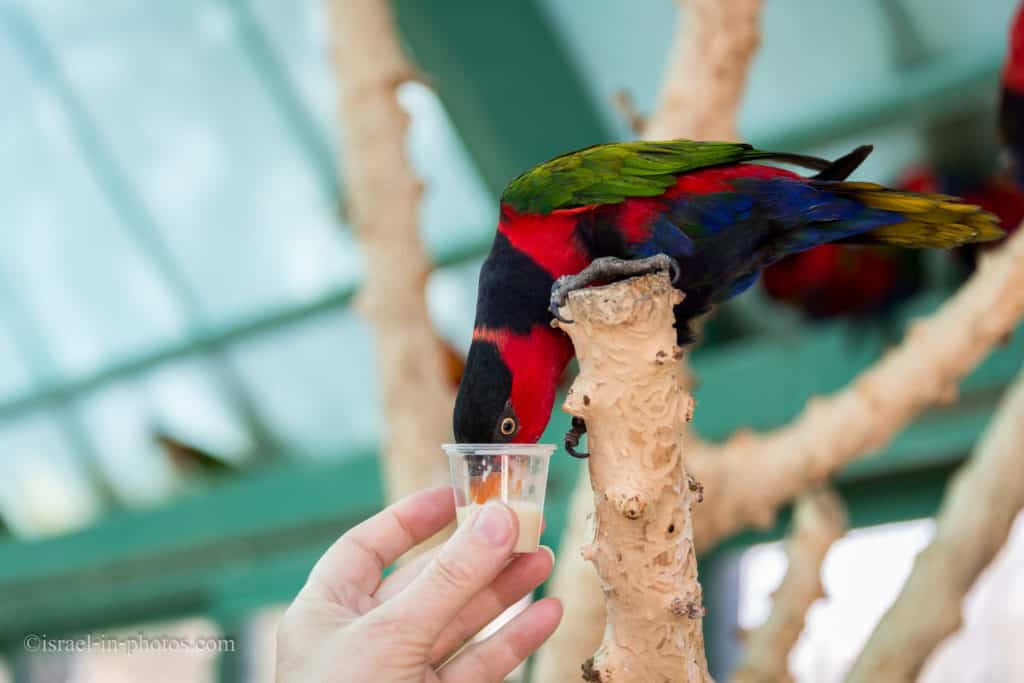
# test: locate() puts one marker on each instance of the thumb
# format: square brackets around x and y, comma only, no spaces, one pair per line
[470,560]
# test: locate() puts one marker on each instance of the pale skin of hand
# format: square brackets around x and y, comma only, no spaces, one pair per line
[349,624]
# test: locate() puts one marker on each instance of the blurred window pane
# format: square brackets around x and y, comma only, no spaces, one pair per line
[316,383]
[456,207]
[614,51]
[235,199]
[44,488]
[61,237]
[451,300]
[14,373]
[863,573]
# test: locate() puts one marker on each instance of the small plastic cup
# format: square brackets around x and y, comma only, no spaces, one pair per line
[516,474]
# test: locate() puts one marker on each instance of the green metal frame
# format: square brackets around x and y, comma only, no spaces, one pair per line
[243,542]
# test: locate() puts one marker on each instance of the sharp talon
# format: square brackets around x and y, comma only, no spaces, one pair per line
[558,316]
[576,454]
[557,301]
[572,438]
[673,270]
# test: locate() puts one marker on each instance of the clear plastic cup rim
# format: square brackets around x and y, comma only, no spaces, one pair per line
[537,450]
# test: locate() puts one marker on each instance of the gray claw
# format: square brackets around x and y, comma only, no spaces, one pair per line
[673,270]
[559,295]
[607,268]
[573,436]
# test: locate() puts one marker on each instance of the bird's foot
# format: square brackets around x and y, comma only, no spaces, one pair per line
[608,269]
[573,436]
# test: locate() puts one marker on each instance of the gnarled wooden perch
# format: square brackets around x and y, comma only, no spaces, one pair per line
[631,392]
[701,90]
[767,471]
[819,520]
[385,197]
[977,514]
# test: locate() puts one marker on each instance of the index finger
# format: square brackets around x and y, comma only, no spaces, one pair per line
[359,557]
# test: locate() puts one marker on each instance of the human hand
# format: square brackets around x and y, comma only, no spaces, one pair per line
[349,624]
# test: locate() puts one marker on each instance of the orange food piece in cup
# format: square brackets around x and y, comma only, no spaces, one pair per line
[485,489]
[482,490]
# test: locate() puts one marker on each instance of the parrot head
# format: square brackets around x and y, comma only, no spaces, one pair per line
[508,387]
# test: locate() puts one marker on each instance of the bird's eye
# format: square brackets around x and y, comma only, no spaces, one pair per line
[508,426]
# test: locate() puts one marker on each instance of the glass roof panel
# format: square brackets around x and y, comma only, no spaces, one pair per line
[14,374]
[44,488]
[61,237]
[181,104]
[316,384]
[812,56]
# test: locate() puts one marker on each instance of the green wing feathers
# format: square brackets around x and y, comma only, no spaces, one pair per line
[932,220]
[609,174]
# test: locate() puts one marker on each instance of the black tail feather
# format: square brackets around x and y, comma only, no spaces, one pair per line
[842,167]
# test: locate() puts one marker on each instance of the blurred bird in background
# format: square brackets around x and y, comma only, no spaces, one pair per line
[833,281]
[191,461]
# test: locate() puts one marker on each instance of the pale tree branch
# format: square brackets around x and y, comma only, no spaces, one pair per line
[819,519]
[707,71]
[751,476]
[714,44]
[979,509]
[631,392]
[385,196]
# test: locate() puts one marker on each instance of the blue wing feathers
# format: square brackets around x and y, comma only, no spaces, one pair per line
[665,238]
[723,239]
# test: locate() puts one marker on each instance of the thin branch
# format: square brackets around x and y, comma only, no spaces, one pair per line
[707,71]
[631,392]
[818,521]
[626,106]
[983,501]
[757,474]
[385,196]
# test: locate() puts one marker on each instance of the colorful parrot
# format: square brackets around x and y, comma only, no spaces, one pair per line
[704,209]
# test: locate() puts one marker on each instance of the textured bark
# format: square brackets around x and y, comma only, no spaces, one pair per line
[977,514]
[819,520]
[631,392]
[751,476]
[700,95]
[385,197]
[707,71]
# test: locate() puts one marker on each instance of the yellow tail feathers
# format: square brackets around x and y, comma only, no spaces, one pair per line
[932,220]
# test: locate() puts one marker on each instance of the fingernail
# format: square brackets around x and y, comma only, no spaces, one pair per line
[493,524]
[549,551]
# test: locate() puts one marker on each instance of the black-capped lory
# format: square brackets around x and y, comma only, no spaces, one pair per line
[714,211]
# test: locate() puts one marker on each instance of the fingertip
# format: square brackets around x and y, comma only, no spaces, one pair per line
[495,524]
[552,606]
[539,621]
